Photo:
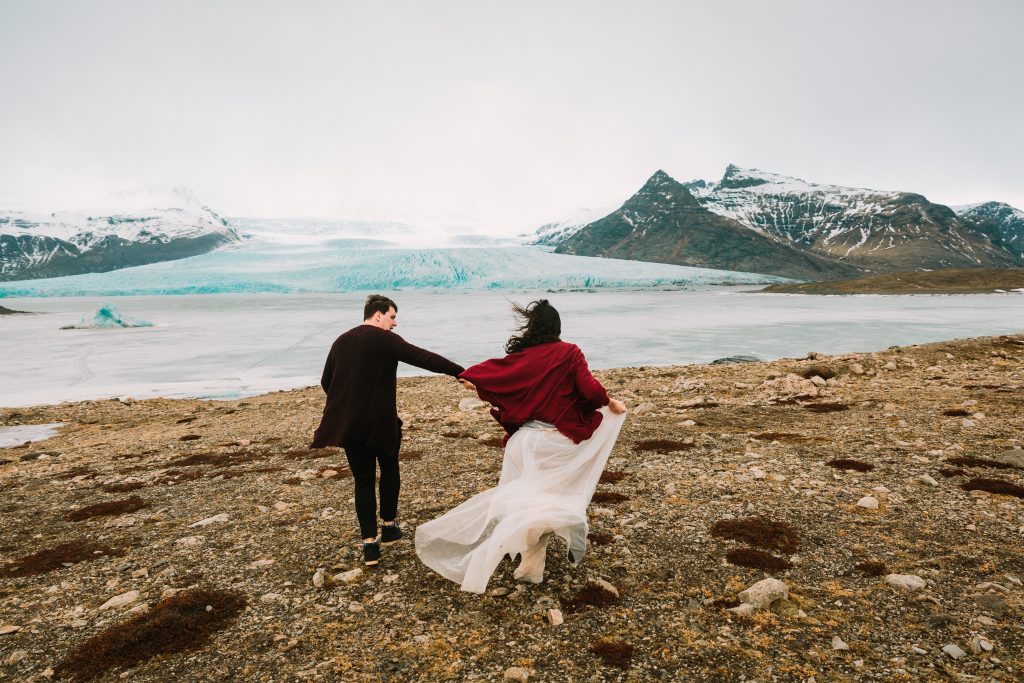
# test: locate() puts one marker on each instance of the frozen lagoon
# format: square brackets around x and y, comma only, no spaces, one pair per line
[233,345]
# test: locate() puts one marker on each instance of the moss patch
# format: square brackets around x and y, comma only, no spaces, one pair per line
[849,464]
[970,461]
[757,559]
[661,446]
[609,497]
[760,532]
[600,538]
[49,559]
[180,623]
[826,407]
[111,507]
[956,412]
[611,477]
[617,653]
[591,595]
[817,371]
[1000,486]
[872,568]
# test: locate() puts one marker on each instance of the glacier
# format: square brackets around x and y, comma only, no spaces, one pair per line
[107,317]
[331,263]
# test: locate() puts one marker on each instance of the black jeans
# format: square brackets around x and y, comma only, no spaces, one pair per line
[363,463]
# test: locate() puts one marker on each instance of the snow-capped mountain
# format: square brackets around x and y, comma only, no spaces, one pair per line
[551,234]
[808,230]
[1005,222]
[142,227]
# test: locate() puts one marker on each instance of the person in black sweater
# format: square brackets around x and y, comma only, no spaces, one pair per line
[360,414]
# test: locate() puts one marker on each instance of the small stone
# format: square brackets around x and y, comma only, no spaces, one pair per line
[687,423]
[498,592]
[9,628]
[601,583]
[261,563]
[270,598]
[244,442]
[918,650]
[280,506]
[644,407]
[1013,457]
[818,381]
[953,651]
[971,527]
[555,617]
[868,503]
[390,578]
[140,573]
[993,604]
[222,517]
[516,673]
[141,608]
[329,474]
[349,576]
[907,582]
[469,404]
[744,610]
[927,479]
[966,422]
[764,593]
[979,645]
[838,644]
[190,541]
[17,656]
[120,600]
[856,368]
[318,578]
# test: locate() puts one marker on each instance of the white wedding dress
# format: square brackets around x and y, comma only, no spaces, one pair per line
[546,483]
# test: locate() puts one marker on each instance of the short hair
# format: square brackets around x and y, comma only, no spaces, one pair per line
[377,303]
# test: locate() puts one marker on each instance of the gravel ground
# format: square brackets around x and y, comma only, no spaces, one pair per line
[718,466]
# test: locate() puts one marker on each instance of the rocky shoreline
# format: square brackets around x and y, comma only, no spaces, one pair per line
[942,281]
[851,517]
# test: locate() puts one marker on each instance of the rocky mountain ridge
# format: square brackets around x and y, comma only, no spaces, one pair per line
[785,226]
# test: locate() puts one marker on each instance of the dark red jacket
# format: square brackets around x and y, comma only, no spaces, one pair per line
[359,378]
[548,382]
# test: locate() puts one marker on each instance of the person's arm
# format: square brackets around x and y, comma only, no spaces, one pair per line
[593,393]
[325,379]
[421,358]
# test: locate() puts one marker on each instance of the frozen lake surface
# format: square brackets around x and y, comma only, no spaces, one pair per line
[232,345]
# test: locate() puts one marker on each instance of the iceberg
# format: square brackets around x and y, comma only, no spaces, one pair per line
[107,317]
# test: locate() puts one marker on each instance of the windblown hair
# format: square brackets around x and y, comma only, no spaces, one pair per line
[539,324]
[377,303]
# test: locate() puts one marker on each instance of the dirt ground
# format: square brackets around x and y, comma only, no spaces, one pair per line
[231,551]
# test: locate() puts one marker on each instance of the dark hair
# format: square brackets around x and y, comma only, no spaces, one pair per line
[377,303]
[539,324]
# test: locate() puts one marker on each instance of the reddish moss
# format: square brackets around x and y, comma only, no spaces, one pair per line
[310,453]
[609,497]
[600,538]
[410,455]
[612,477]
[111,507]
[124,487]
[848,464]
[493,443]
[952,472]
[760,532]
[661,446]
[726,603]
[49,559]
[872,568]
[956,412]
[190,437]
[292,481]
[826,407]
[592,595]
[617,653]
[757,559]
[183,476]
[970,461]
[77,472]
[1000,486]
[779,436]
[186,420]
[181,623]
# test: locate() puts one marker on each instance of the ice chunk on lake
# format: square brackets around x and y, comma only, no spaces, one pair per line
[108,317]
[16,436]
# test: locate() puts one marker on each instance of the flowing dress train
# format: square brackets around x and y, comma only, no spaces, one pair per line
[546,483]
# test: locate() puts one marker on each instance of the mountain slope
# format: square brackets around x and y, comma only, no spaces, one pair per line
[1001,221]
[143,229]
[664,222]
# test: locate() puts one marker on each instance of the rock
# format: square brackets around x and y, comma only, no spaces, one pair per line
[764,593]
[891,365]
[818,381]
[644,407]
[789,386]
[555,617]
[907,582]
[868,503]
[516,673]
[601,583]
[261,563]
[140,573]
[469,403]
[979,645]
[927,479]
[1013,457]
[318,578]
[856,369]
[953,651]
[190,541]
[992,604]
[9,628]
[935,621]
[838,644]
[270,598]
[918,650]
[139,609]
[280,506]
[967,422]
[222,517]
[739,358]
[16,656]
[349,576]
[120,600]
[743,610]
[329,474]
[687,423]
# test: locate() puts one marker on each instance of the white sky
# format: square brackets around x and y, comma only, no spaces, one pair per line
[510,113]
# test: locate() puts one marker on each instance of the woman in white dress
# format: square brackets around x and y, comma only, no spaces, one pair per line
[560,427]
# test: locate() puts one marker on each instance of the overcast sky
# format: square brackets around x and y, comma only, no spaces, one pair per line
[510,113]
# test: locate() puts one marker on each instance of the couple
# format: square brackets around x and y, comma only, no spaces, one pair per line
[560,426]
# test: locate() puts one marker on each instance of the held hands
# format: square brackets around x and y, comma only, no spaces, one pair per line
[466,384]
[616,406]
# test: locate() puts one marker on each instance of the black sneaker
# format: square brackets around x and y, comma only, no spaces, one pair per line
[390,533]
[371,553]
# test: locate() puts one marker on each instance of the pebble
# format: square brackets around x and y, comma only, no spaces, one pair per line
[645,407]
[222,517]
[838,644]
[19,655]
[318,578]
[555,617]
[868,502]
[349,576]
[9,628]
[967,422]
[190,541]
[120,600]
[280,506]
[993,604]
[270,598]
[918,650]
[908,582]
[764,593]
[469,403]
[857,368]
[390,578]
[329,474]
[953,651]
[140,573]
[516,673]
[601,583]
[927,479]
[744,610]
[979,645]
[261,563]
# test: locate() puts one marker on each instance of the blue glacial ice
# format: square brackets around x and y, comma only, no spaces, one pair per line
[353,265]
[107,317]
